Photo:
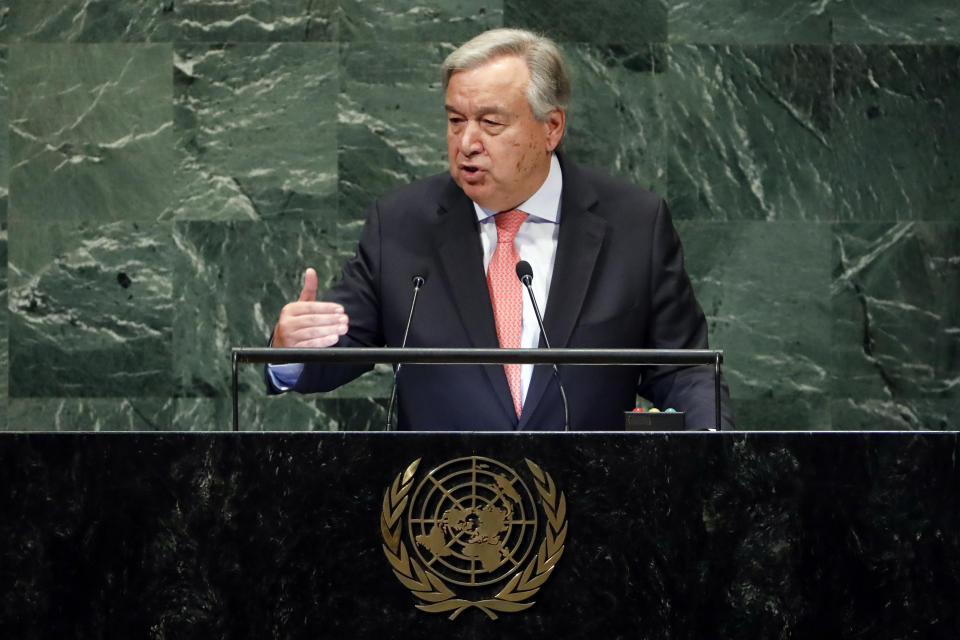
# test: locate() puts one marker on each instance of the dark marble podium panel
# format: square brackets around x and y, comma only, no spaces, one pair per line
[685,535]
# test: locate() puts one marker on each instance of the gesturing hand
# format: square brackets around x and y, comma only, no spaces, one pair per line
[308,323]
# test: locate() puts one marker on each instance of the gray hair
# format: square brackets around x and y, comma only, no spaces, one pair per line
[549,86]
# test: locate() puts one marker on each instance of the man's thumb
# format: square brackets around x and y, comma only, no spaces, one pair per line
[309,291]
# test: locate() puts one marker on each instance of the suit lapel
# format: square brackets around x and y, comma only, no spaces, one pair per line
[581,237]
[461,256]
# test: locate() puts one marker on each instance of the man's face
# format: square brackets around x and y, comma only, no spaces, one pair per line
[499,154]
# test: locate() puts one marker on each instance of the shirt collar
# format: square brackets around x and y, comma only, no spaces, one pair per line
[544,204]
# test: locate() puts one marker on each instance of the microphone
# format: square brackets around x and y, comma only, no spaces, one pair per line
[525,274]
[417,281]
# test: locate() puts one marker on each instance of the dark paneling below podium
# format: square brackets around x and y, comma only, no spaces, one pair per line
[683,535]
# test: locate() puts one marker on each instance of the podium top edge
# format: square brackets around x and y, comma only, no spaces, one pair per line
[496,356]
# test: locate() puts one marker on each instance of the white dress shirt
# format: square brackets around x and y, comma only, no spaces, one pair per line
[536,242]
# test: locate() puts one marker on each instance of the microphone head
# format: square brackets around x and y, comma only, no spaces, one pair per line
[525,272]
[419,279]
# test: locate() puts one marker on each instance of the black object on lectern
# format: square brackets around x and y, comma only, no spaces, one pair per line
[654,420]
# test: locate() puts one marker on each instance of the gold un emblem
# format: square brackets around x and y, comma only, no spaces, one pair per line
[471,525]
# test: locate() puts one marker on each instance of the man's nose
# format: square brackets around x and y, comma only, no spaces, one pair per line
[470,139]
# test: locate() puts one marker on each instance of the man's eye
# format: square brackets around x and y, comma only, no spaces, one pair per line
[493,123]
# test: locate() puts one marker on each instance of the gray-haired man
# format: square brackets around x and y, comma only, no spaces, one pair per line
[607,262]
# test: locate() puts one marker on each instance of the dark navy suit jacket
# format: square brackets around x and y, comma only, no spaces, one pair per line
[618,282]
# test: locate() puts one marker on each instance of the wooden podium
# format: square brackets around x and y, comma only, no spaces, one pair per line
[666,535]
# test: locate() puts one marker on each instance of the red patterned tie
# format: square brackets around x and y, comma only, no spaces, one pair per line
[506,294]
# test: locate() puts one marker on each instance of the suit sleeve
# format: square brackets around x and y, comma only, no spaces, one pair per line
[678,322]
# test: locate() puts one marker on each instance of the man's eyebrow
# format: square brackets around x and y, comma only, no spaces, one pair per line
[482,111]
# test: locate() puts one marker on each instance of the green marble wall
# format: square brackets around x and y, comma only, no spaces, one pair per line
[167,169]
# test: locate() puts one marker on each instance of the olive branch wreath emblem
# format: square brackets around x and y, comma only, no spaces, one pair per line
[437,597]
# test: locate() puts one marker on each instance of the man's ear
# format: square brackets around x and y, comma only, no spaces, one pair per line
[554,123]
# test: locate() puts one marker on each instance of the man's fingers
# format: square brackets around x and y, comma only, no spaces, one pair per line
[309,291]
[322,322]
[312,330]
[313,308]
[317,336]
[327,341]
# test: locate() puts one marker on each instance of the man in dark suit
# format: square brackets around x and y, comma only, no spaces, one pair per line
[608,267]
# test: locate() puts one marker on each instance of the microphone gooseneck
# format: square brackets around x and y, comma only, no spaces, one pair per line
[525,275]
[417,281]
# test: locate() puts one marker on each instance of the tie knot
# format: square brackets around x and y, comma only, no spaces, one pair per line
[508,223]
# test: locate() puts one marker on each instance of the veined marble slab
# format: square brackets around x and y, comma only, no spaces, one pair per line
[896,132]
[91,309]
[169,20]
[627,22]
[417,20]
[4,137]
[256,131]
[765,288]
[771,22]
[168,169]
[750,133]
[90,132]
[896,324]
[892,22]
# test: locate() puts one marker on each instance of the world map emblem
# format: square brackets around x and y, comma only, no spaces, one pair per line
[473,533]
